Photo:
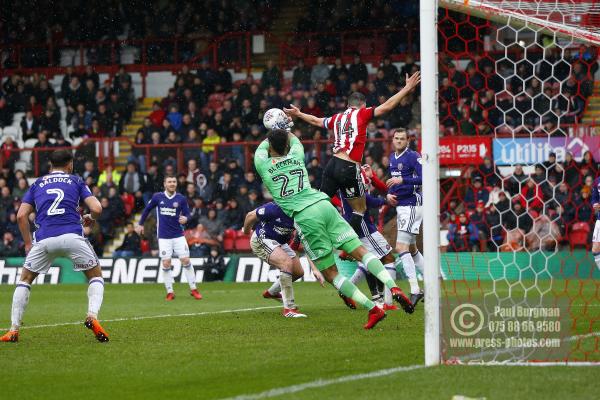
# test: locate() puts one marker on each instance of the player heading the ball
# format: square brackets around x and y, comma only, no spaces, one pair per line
[349,127]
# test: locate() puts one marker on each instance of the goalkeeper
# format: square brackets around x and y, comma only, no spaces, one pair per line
[280,162]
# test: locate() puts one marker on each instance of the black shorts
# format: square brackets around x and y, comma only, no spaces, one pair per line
[345,176]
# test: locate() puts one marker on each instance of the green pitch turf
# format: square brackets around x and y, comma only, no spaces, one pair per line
[214,352]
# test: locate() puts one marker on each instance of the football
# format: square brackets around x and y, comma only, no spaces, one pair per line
[275,118]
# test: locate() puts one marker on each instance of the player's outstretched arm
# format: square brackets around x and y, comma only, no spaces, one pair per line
[295,112]
[392,102]
[23,221]
[249,222]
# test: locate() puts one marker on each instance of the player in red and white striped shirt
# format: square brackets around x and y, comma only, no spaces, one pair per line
[350,136]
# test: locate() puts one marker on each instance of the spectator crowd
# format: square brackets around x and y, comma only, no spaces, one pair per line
[536,211]
[206,108]
[60,24]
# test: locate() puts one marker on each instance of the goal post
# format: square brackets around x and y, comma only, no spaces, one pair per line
[431,202]
[511,82]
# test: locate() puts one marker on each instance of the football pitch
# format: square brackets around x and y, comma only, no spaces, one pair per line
[235,344]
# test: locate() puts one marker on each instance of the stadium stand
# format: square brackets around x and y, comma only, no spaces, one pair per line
[205,127]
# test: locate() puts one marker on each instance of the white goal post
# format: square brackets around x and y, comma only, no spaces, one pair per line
[431,193]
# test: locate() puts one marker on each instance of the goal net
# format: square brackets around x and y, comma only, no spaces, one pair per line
[518,103]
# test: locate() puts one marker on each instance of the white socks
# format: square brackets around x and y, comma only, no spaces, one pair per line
[190,275]
[23,289]
[409,268]
[358,275]
[387,294]
[95,296]
[275,287]
[419,262]
[287,290]
[19,304]
[168,277]
[597,259]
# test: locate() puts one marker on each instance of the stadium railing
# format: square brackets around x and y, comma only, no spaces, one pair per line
[106,151]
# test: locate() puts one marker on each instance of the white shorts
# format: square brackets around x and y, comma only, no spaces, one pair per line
[176,247]
[596,236]
[263,248]
[376,244]
[409,219]
[70,245]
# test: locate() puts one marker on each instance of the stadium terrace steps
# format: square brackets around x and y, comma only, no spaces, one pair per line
[285,22]
[592,111]
[143,109]
[111,246]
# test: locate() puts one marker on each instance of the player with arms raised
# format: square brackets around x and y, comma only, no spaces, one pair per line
[279,160]
[273,231]
[55,199]
[343,171]
[171,213]
[405,185]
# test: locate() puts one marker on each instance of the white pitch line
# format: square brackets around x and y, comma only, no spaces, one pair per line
[324,382]
[151,317]
[384,372]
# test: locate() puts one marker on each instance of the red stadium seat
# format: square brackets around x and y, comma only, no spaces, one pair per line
[579,234]
[229,239]
[145,246]
[217,97]
[242,242]
[129,203]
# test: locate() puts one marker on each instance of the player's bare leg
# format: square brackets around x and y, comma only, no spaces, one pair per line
[95,297]
[375,267]
[290,268]
[190,275]
[350,290]
[19,304]
[274,292]
[167,270]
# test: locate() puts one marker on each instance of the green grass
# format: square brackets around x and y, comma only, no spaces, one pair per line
[214,356]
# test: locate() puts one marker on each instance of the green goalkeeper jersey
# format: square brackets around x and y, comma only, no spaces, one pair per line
[286,177]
